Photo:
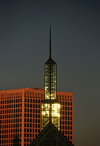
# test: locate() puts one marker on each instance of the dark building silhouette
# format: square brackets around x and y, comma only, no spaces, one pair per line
[51,136]
[16,141]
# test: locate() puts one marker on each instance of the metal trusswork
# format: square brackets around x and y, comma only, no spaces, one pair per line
[50,76]
[55,113]
[52,137]
[50,106]
[50,79]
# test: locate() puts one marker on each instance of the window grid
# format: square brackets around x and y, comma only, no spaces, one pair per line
[29,101]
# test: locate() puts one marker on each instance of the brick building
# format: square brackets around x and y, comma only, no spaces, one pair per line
[20,114]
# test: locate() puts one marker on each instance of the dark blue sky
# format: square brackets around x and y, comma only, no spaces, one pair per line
[24,48]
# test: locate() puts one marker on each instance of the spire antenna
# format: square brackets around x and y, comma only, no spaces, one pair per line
[50,44]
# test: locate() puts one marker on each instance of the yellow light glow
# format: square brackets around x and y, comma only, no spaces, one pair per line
[46,105]
[47,112]
[55,113]
[55,110]
[58,105]
[43,112]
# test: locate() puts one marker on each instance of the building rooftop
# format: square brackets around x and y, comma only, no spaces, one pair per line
[51,136]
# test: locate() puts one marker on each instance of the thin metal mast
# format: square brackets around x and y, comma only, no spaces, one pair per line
[50,80]
[50,45]
[50,70]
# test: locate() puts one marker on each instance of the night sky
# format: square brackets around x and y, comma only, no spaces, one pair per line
[24,48]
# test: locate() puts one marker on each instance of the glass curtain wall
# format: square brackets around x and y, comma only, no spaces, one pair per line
[55,114]
[50,79]
[50,106]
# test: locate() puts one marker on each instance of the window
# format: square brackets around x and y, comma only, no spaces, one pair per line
[38,130]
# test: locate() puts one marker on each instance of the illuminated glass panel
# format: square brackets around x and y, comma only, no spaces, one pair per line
[55,114]
[50,79]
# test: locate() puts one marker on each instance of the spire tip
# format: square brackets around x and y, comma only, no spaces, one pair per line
[50,44]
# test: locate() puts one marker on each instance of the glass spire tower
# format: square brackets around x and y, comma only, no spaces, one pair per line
[50,106]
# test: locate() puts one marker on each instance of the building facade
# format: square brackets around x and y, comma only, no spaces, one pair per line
[50,105]
[20,115]
[25,112]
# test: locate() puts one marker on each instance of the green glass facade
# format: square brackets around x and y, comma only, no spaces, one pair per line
[50,79]
[51,113]
[50,106]
[50,136]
